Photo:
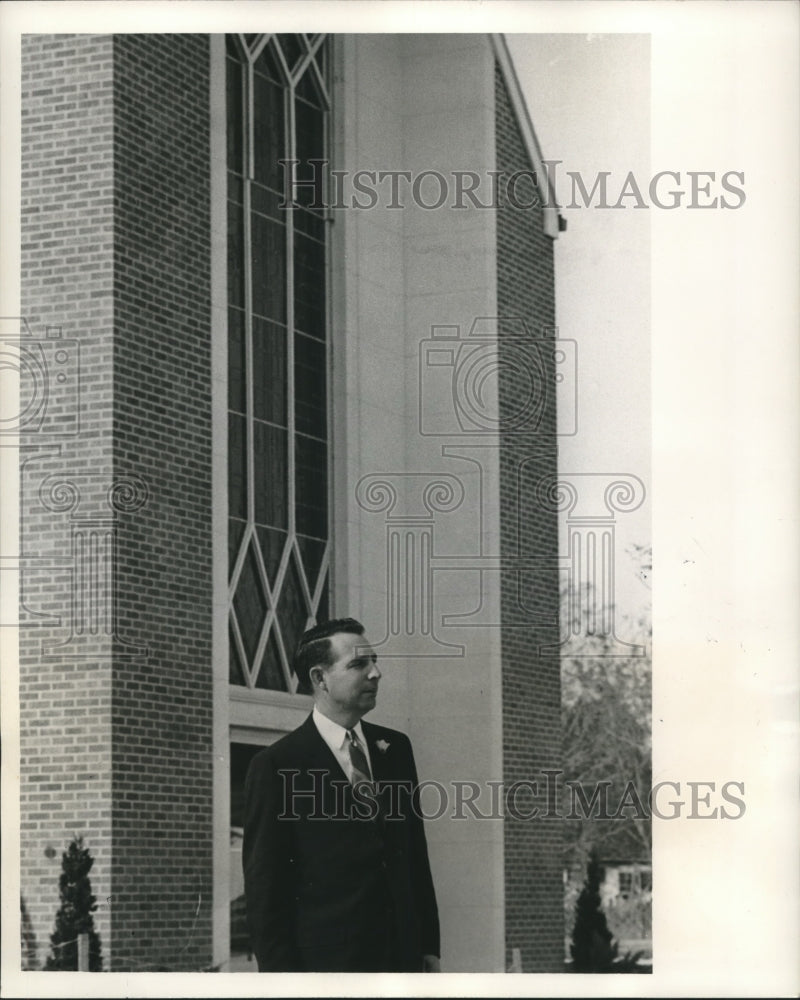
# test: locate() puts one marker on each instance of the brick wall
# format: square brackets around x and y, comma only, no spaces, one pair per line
[117,722]
[162,703]
[116,742]
[66,262]
[531,682]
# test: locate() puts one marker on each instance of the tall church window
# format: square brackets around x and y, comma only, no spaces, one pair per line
[278,351]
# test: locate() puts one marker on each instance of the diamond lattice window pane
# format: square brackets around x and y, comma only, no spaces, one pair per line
[293,49]
[273,542]
[292,609]
[323,609]
[312,550]
[235,670]
[267,64]
[236,530]
[307,88]
[250,604]
[270,675]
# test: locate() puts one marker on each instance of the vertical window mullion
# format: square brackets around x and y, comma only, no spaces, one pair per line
[248,296]
[290,416]
[329,217]
[290,586]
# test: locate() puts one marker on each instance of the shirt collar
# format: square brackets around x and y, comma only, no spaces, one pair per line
[332,732]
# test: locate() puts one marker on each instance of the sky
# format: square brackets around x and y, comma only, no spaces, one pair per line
[589,101]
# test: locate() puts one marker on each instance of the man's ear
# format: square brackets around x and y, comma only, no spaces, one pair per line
[317,675]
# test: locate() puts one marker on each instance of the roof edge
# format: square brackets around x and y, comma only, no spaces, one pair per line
[554,222]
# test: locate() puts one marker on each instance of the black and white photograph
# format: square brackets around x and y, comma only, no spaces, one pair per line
[399,498]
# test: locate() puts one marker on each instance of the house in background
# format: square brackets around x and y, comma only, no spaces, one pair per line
[626,889]
[261,411]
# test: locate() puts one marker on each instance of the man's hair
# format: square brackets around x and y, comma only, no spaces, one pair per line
[315,648]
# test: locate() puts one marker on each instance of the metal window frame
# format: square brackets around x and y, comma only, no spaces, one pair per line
[308,62]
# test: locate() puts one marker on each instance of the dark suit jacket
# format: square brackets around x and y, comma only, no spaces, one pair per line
[333,884]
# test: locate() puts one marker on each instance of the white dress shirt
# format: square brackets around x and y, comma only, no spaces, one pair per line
[336,738]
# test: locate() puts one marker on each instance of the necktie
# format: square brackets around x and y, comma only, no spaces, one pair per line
[362,775]
[358,760]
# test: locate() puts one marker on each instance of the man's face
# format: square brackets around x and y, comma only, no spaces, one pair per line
[352,679]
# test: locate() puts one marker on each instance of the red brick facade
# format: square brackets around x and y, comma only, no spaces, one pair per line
[67,241]
[162,703]
[116,729]
[531,682]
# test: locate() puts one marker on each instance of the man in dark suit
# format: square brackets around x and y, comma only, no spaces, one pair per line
[335,860]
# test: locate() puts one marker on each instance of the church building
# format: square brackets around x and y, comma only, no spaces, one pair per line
[288,352]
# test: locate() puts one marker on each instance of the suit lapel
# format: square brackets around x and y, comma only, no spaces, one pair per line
[382,770]
[318,754]
[377,757]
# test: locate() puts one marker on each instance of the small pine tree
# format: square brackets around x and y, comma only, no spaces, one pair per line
[592,948]
[74,916]
[27,938]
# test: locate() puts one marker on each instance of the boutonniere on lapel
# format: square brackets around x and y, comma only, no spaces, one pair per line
[382,745]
